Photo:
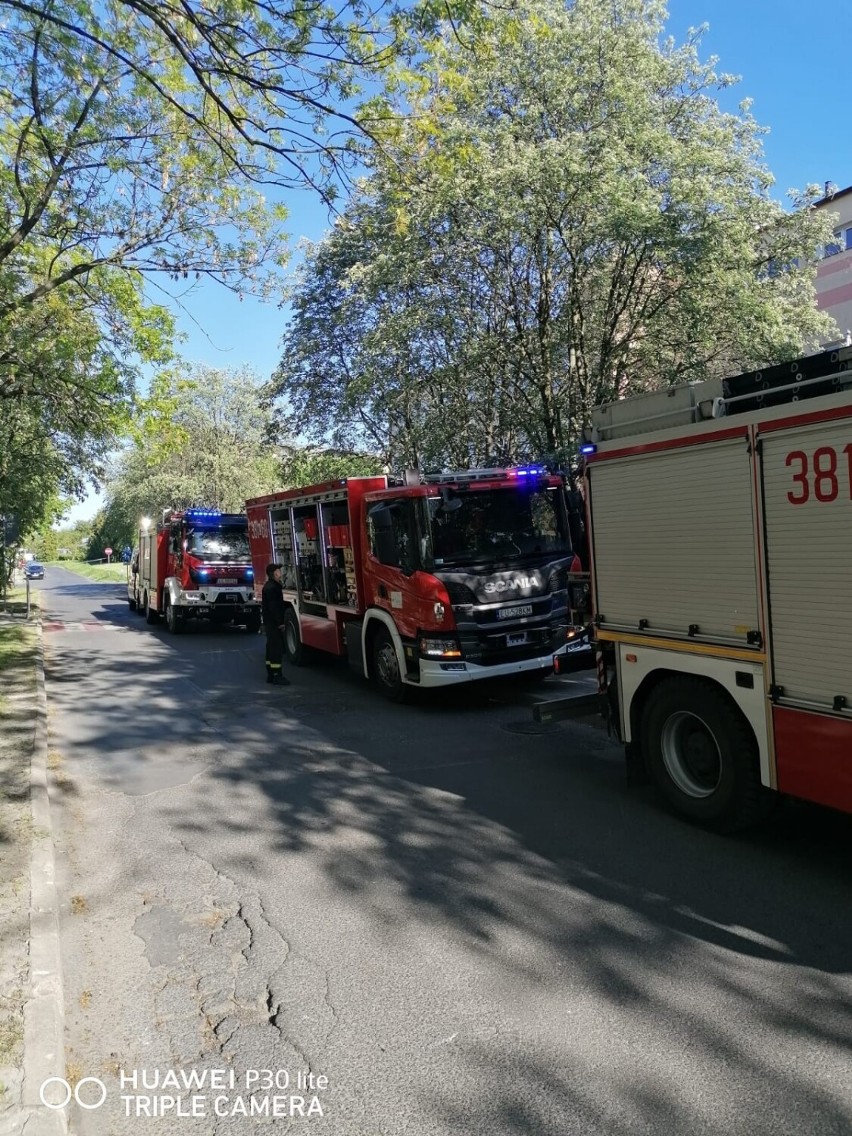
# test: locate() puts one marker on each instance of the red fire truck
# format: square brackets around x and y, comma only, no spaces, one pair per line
[194,564]
[430,582]
[720,518]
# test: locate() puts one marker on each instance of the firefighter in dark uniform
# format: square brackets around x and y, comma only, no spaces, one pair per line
[274,610]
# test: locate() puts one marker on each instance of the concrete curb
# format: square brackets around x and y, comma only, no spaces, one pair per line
[44,1012]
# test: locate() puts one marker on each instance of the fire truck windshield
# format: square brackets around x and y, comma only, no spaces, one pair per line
[497,524]
[225,543]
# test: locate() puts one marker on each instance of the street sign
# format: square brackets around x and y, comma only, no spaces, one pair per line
[107,552]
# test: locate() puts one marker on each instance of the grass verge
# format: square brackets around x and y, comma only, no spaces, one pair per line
[18,647]
[102,573]
[14,639]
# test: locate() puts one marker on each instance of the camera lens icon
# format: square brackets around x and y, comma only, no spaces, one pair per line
[67,1092]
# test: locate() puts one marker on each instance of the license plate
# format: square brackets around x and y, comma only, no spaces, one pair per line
[514,612]
[516,640]
[222,582]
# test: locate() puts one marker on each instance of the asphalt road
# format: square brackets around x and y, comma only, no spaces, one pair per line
[467,923]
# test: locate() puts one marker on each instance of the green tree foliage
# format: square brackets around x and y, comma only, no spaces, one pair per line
[202,440]
[48,542]
[303,465]
[567,216]
[137,141]
[31,468]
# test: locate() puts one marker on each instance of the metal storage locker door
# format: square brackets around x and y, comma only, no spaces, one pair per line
[809,560]
[674,540]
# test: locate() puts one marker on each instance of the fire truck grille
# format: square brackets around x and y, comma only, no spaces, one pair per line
[491,650]
[526,630]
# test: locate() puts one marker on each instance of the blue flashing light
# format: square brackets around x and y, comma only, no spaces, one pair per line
[198,514]
[203,572]
[250,573]
[530,471]
[589,448]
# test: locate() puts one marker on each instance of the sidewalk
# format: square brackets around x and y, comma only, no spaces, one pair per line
[31,1012]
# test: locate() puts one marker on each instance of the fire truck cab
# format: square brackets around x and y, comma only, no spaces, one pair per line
[194,564]
[434,581]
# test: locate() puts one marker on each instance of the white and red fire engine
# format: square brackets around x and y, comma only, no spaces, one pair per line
[194,564]
[720,520]
[436,581]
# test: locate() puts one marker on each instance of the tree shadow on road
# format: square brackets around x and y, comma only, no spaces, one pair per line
[670,955]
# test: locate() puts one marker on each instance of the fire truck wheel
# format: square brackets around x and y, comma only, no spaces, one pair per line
[131,603]
[702,754]
[385,666]
[173,620]
[150,614]
[253,624]
[293,645]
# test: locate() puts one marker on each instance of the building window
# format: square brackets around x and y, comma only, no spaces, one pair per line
[833,247]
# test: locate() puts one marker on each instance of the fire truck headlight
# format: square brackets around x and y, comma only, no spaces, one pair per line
[431,648]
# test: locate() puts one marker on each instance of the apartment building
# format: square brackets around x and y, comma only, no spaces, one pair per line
[834,272]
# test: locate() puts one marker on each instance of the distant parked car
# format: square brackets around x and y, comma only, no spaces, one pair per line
[34,570]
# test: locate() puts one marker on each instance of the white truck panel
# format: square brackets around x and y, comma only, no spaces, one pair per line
[809,560]
[674,541]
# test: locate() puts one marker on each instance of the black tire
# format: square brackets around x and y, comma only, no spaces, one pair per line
[131,604]
[294,649]
[253,623]
[384,666]
[172,618]
[150,615]
[702,755]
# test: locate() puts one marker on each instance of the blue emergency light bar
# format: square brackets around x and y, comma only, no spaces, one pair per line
[530,471]
[589,448]
[198,514]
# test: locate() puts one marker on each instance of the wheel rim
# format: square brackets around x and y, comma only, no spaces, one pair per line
[691,755]
[387,665]
[290,638]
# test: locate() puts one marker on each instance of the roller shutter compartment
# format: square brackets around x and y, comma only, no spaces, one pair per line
[674,541]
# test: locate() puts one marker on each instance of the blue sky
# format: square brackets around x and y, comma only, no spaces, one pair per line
[791,60]
[790,57]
